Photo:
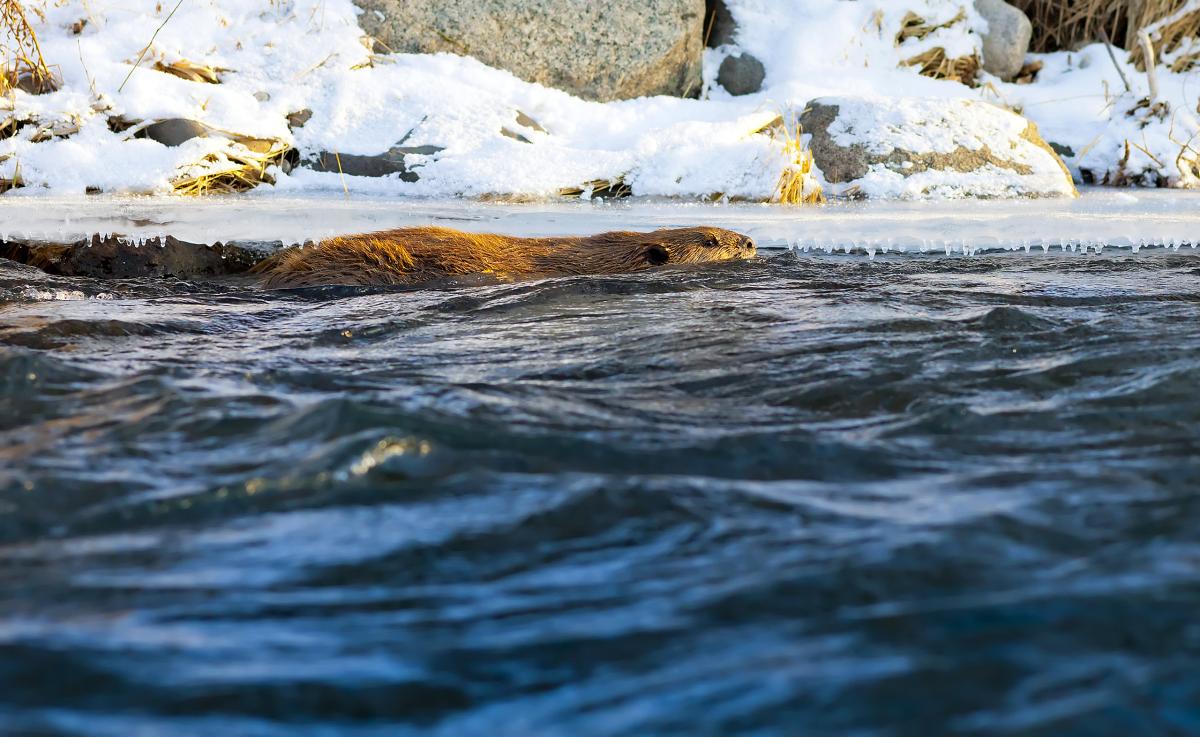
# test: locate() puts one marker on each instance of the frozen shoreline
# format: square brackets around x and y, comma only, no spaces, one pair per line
[1099,218]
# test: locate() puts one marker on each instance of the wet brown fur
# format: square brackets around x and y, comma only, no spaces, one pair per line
[408,256]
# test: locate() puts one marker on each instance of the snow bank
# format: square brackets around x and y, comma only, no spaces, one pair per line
[286,56]
[1109,135]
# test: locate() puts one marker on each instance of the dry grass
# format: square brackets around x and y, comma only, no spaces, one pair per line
[914,26]
[797,184]
[934,62]
[23,65]
[12,181]
[1177,39]
[191,71]
[242,165]
[10,126]
[1067,24]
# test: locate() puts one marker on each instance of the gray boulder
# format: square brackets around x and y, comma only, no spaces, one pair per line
[931,147]
[174,131]
[1007,39]
[741,74]
[373,165]
[596,50]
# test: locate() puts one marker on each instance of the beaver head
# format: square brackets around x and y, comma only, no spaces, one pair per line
[697,245]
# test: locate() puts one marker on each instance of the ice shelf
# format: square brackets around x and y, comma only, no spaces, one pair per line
[1100,218]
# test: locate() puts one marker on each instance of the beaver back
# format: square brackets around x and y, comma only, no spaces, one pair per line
[406,256]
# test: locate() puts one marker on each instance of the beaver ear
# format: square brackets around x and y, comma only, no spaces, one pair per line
[656,255]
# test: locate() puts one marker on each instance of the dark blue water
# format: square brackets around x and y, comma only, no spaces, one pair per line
[797,496]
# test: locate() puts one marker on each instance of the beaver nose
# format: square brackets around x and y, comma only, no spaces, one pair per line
[746,243]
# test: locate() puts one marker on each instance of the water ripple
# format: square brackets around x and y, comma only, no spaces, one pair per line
[804,493]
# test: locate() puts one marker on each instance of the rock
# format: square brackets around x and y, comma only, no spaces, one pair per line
[718,24]
[509,133]
[173,131]
[1062,150]
[931,147]
[597,50]
[741,74]
[28,80]
[527,122]
[299,118]
[524,121]
[114,257]
[376,165]
[1007,39]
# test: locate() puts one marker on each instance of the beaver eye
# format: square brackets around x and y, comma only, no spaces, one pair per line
[711,241]
[656,255]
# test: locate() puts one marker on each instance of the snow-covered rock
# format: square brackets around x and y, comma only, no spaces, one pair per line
[930,147]
[598,51]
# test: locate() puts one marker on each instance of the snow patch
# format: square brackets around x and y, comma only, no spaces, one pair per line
[291,55]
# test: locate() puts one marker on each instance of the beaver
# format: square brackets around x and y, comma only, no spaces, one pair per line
[407,256]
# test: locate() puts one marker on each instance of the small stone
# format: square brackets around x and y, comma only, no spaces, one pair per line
[262,96]
[528,122]
[1007,39]
[514,135]
[1062,150]
[741,74]
[299,118]
[174,131]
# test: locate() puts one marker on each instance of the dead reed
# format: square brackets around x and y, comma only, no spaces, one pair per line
[241,165]
[798,184]
[23,67]
[1174,25]
[934,62]
[13,180]
[191,71]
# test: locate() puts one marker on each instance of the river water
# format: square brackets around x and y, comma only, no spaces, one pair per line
[807,494]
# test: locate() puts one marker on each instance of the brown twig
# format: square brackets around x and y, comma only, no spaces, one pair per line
[1113,56]
[147,48]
